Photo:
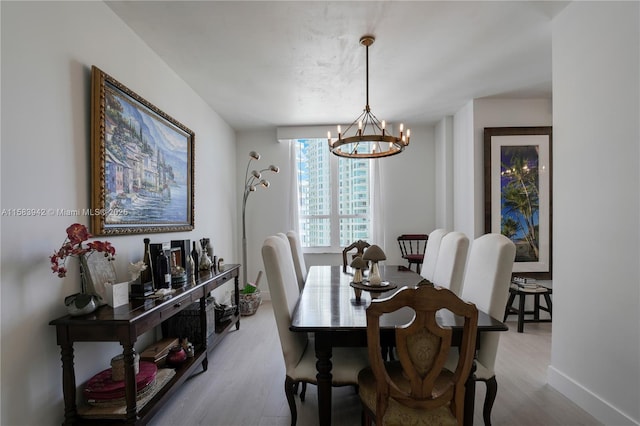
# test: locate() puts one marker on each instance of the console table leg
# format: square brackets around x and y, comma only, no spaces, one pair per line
[237,300]
[130,382]
[68,384]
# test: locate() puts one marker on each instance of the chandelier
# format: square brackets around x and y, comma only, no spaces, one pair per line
[355,142]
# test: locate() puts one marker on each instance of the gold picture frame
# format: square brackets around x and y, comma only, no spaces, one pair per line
[142,164]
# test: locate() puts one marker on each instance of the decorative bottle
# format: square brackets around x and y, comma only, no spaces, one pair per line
[205,262]
[163,269]
[209,249]
[147,275]
[196,258]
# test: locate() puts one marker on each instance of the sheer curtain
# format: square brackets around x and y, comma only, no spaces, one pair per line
[377,206]
[294,202]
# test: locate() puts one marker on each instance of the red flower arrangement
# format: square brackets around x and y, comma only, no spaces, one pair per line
[72,246]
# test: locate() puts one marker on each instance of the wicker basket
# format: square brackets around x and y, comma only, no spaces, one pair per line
[117,366]
[224,313]
[249,303]
[187,323]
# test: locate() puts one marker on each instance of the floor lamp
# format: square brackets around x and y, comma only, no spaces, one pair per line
[252,181]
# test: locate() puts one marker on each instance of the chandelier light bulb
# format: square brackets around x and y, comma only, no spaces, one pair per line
[254,155]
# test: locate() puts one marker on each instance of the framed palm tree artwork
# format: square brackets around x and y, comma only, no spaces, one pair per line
[518,193]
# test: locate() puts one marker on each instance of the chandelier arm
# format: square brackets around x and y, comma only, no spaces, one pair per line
[354,122]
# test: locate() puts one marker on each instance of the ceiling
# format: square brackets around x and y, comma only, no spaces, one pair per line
[278,63]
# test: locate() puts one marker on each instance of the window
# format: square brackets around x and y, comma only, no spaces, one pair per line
[334,206]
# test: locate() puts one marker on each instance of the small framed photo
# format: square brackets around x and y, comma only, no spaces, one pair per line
[100,272]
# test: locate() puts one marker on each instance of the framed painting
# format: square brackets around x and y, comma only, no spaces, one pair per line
[518,194]
[142,164]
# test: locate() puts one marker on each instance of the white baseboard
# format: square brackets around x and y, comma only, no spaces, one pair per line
[587,400]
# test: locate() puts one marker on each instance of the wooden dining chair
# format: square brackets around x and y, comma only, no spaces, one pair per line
[431,253]
[417,389]
[358,246]
[486,284]
[299,356]
[412,248]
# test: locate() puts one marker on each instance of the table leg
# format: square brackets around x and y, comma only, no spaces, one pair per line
[323,365]
[130,383]
[470,396]
[547,299]
[521,313]
[68,384]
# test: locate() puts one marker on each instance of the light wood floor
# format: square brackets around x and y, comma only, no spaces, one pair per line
[244,385]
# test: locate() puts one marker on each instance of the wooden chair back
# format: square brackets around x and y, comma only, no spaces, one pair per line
[412,248]
[422,348]
[359,246]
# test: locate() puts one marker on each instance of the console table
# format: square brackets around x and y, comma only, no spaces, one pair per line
[124,324]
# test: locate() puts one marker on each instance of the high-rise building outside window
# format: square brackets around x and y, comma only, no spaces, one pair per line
[334,201]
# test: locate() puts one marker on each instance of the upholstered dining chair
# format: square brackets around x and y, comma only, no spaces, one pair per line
[486,284]
[299,356]
[358,246]
[431,253]
[417,389]
[452,257]
[298,258]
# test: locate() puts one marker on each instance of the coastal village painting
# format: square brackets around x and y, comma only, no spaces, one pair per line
[147,165]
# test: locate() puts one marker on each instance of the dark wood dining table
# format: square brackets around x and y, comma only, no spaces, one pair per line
[328,308]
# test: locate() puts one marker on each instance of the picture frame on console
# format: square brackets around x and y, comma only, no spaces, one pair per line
[142,164]
[518,194]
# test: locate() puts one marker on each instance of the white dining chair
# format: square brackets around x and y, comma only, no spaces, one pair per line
[450,264]
[298,258]
[486,284]
[299,356]
[431,253]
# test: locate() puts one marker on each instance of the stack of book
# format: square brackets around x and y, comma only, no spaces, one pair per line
[157,352]
[526,284]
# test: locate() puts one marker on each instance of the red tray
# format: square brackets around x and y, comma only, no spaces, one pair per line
[103,387]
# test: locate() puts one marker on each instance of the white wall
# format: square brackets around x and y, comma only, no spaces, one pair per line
[595,357]
[444,173]
[463,163]
[47,52]
[408,181]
